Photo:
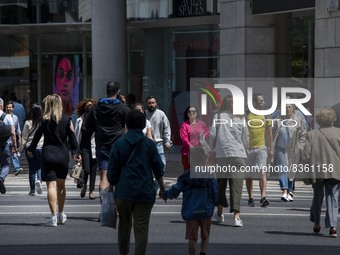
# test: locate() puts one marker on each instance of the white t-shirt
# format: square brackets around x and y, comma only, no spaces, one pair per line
[147,125]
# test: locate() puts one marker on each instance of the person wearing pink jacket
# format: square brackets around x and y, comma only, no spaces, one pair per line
[193,133]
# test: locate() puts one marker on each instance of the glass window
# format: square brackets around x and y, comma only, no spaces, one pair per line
[44,11]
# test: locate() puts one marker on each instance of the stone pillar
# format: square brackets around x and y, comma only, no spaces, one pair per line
[327,55]
[247,42]
[109,45]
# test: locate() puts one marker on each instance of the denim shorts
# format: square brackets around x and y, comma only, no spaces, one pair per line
[102,156]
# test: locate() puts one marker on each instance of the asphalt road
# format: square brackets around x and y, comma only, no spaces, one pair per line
[282,228]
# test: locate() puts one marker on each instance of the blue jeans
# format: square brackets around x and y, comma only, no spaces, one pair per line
[330,188]
[34,165]
[5,157]
[15,160]
[280,160]
[160,149]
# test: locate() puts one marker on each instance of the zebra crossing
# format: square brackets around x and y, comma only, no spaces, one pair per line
[16,200]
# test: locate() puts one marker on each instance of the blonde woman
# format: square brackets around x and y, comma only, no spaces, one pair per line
[57,129]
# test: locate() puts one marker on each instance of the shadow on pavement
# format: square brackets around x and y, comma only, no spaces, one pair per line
[168,249]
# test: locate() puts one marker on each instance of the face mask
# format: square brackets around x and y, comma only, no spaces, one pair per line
[87,109]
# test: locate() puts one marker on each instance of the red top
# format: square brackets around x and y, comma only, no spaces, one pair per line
[190,135]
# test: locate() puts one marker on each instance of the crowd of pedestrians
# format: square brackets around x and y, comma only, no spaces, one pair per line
[127,145]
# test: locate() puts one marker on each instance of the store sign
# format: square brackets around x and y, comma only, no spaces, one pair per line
[189,8]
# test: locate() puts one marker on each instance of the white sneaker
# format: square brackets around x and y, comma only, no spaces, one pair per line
[53,221]
[38,187]
[61,218]
[290,198]
[238,222]
[218,218]
[284,198]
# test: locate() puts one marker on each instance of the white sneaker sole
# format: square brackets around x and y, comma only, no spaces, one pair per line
[38,187]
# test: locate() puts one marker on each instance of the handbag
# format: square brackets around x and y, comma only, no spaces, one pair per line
[108,211]
[203,142]
[23,145]
[76,171]
[212,153]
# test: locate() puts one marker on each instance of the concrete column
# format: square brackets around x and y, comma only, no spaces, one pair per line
[283,38]
[109,45]
[247,42]
[327,55]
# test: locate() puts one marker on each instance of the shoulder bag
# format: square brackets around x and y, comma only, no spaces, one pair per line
[212,153]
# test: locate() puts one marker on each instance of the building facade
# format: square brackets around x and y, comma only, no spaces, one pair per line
[154,47]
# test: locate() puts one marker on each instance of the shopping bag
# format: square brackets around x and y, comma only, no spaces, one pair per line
[108,212]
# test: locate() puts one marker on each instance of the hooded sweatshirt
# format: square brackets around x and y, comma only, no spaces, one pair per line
[107,120]
[133,177]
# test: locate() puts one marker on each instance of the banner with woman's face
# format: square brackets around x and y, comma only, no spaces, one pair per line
[66,81]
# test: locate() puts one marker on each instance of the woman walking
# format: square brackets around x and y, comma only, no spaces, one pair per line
[289,138]
[133,162]
[193,132]
[34,163]
[87,146]
[323,149]
[57,129]
[231,143]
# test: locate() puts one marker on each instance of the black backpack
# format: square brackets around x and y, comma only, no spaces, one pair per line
[5,130]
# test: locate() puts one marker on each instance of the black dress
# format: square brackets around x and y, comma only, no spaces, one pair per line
[55,153]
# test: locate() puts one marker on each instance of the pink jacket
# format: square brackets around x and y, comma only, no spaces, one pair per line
[190,135]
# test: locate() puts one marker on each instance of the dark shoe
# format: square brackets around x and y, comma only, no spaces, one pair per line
[264,202]
[83,191]
[251,202]
[316,228]
[91,196]
[2,187]
[332,233]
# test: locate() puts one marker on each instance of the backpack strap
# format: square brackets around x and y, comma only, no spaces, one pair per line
[3,116]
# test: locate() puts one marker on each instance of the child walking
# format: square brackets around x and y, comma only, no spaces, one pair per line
[199,200]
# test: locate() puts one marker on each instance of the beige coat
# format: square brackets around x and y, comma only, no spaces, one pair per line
[322,156]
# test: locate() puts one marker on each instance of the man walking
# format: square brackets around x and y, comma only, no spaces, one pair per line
[15,157]
[18,110]
[5,150]
[107,120]
[160,126]
[260,131]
